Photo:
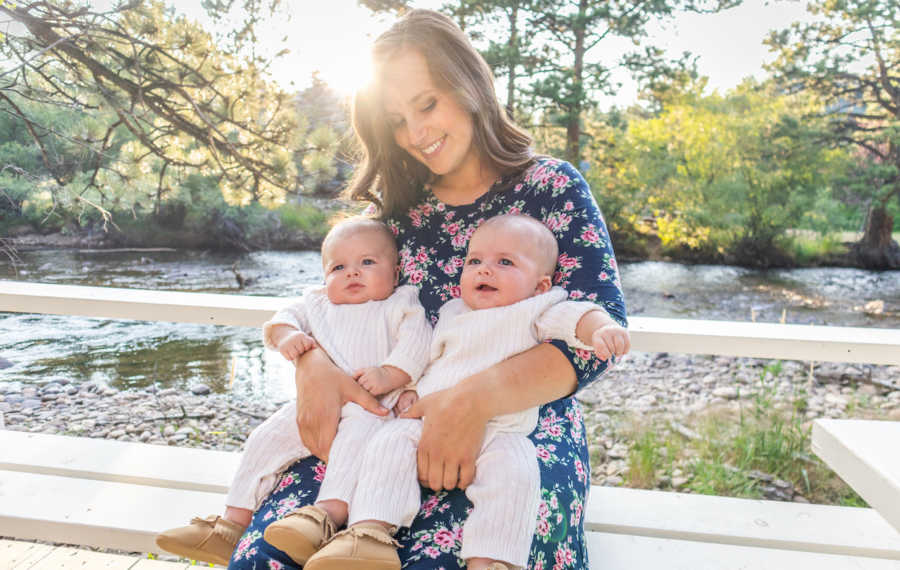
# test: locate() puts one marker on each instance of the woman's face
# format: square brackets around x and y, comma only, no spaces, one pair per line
[427,121]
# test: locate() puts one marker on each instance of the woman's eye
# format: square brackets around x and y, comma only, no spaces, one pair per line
[430,105]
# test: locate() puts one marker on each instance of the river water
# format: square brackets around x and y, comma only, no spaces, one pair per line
[128,354]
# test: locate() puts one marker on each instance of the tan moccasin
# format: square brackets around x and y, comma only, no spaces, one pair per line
[210,540]
[301,533]
[500,566]
[365,546]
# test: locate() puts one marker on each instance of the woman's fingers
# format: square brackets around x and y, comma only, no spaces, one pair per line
[466,474]
[356,393]
[451,475]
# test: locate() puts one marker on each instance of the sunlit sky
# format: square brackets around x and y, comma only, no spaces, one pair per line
[333,38]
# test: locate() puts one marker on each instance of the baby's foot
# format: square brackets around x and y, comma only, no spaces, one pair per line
[363,546]
[301,533]
[210,540]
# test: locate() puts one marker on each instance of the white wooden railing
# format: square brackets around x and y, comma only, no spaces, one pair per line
[649,334]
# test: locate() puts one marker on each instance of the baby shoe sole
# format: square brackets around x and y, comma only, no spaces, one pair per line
[339,563]
[188,552]
[291,542]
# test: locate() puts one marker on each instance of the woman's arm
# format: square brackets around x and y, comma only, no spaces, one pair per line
[455,419]
[322,390]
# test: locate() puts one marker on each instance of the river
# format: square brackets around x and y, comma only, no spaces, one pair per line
[126,354]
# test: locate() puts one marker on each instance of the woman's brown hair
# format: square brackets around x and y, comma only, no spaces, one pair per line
[387,175]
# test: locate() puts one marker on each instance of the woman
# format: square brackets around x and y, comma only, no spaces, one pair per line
[439,158]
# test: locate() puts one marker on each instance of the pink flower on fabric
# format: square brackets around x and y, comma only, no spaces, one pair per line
[319,470]
[554,430]
[612,263]
[560,181]
[590,235]
[275,565]
[458,261]
[583,354]
[576,294]
[415,218]
[453,228]
[286,481]
[432,552]
[568,206]
[444,537]
[416,276]
[604,276]
[566,261]
[455,291]
[459,240]
[542,453]
[427,209]
[421,257]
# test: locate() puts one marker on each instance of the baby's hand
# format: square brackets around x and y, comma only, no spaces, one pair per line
[611,340]
[295,344]
[374,379]
[407,399]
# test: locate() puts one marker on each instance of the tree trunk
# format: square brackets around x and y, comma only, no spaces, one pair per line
[876,249]
[573,126]
[512,55]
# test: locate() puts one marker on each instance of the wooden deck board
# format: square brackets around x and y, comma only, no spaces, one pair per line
[627,552]
[866,454]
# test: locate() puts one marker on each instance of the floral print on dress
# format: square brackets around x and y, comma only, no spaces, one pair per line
[432,239]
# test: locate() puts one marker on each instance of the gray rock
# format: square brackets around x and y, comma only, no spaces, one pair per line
[200,390]
[726,392]
[31,403]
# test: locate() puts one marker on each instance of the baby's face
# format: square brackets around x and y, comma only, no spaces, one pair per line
[501,269]
[359,268]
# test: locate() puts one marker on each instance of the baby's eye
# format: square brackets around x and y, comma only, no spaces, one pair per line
[473,261]
[338,267]
[506,261]
[368,262]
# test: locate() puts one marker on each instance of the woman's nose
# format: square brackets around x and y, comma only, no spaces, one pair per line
[417,132]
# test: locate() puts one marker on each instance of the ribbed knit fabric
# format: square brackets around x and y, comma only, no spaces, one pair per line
[504,498]
[388,486]
[467,341]
[506,490]
[393,331]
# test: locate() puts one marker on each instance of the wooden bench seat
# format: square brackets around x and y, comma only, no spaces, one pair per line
[119,495]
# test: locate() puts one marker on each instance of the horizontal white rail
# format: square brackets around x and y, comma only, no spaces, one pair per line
[728,338]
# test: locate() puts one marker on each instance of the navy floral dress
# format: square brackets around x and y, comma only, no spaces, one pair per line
[432,238]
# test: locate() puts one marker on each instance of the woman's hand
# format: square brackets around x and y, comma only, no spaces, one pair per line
[451,437]
[322,390]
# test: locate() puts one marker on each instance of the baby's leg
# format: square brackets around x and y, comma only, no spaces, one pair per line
[388,486]
[505,496]
[356,429]
[272,446]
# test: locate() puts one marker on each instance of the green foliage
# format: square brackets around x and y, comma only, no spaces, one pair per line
[847,54]
[727,174]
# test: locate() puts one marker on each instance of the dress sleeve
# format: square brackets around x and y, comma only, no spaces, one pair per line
[294,315]
[586,266]
[410,353]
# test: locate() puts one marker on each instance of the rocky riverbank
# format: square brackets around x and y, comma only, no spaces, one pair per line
[657,388]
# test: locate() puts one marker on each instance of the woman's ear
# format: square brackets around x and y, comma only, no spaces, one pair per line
[544,284]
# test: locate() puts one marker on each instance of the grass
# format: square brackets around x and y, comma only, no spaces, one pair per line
[741,453]
[308,219]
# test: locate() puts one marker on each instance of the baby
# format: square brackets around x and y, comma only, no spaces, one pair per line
[372,331]
[507,305]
